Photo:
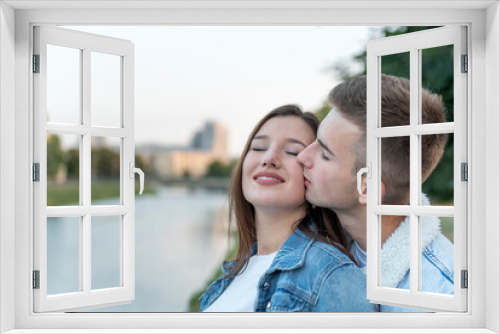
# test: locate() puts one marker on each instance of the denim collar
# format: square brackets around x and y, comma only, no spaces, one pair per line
[290,256]
[292,253]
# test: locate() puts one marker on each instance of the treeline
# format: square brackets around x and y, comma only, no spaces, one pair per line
[105,162]
[220,169]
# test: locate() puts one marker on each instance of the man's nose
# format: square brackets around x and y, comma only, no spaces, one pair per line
[304,157]
[271,159]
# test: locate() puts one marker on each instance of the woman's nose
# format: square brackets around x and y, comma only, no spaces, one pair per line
[271,159]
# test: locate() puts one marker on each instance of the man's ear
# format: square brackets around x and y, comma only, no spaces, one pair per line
[382,191]
[362,198]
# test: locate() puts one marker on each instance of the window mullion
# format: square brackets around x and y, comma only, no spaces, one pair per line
[67,129]
[414,168]
[67,211]
[109,210]
[404,210]
[419,129]
[85,179]
[107,132]
[434,128]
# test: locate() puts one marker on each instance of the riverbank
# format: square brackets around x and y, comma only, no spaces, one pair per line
[69,193]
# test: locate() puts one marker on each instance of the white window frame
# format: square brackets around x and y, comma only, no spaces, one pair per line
[85,43]
[483,125]
[413,44]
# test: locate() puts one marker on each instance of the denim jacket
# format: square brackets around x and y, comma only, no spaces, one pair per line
[306,275]
[437,260]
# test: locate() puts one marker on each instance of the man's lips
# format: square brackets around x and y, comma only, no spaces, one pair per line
[306,181]
[268,178]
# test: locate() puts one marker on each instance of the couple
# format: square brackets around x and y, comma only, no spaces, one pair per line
[294,255]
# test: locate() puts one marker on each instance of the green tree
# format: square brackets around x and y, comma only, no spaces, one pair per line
[55,155]
[323,110]
[186,174]
[72,160]
[356,66]
[140,163]
[220,169]
[105,163]
[437,76]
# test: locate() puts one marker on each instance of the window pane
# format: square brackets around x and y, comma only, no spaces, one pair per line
[395,170]
[395,253]
[63,85]
[437,254]
[395,114]
[63,169]
[105,157]
[63,255]
[437,77]
[437,169]
[186,230]
[106,249]
[105,90]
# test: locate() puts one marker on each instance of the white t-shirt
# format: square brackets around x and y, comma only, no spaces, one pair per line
[241,294]
[359,254]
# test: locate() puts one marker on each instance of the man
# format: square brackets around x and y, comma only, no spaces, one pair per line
[332,161]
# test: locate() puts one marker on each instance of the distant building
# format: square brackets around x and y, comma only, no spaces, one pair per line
[207,145]
[212,138]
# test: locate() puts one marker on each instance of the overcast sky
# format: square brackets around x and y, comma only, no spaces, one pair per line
[186,75]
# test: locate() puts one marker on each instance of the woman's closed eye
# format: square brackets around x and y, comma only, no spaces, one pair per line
[292,152]
[258,149]
[262,149]
[293,148]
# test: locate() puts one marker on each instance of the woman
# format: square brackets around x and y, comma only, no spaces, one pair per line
[288,258]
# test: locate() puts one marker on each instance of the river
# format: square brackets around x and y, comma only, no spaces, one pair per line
[181,239]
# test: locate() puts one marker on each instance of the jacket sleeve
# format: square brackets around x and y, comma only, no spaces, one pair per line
[344,290]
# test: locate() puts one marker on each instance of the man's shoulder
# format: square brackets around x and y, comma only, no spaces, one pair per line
[325,267]
[441,244]
[328,254]
[440,252]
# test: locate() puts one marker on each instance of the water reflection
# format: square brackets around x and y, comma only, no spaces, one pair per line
[180,241]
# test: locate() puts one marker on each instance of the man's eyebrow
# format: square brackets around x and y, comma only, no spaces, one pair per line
[324,146]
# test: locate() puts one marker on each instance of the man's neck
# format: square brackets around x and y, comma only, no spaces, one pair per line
[389,225]
[354,222]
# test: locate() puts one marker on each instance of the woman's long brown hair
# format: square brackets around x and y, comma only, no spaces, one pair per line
[327,227]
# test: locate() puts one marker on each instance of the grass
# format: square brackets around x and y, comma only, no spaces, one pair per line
[447,227]
[69,193]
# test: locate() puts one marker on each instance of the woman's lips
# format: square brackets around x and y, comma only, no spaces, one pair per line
[267,182]
[268,178]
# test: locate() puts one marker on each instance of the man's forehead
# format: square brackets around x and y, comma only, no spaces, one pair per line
[331,120]
[335,125]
